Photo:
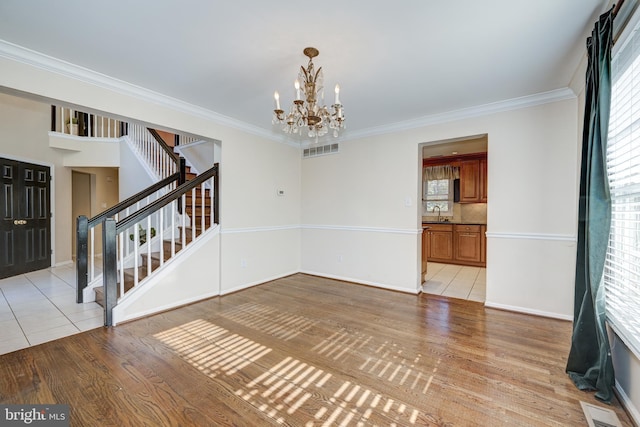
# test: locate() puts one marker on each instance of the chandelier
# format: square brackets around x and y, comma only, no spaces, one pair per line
[305,112]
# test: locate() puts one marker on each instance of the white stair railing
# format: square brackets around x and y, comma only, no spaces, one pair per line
[68,120]
[173,233]
[162,162]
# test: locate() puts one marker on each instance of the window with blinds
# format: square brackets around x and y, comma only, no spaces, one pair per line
[622,265]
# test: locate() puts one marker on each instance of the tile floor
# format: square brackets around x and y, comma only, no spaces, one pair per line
[40,306]
[456,281]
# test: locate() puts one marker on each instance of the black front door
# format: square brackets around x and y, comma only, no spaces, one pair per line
[25,217]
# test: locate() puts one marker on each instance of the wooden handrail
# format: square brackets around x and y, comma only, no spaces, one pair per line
[167,198]
[132,200]
[163,144]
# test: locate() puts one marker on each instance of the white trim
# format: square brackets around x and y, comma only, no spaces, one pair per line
[258,229]
[117,318]
[525,310]
[256,283]
[323,227]
[87,139]
[362,229]
[48,63]
[627,403]
[63,264]
[362,282]
[467,113]
[532,236]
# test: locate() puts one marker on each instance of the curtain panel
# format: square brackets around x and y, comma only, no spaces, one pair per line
[432,173]
[589,364]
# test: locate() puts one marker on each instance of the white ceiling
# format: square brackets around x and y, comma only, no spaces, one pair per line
[395,61]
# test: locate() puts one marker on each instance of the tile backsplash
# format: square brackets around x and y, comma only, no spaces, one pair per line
[465,212]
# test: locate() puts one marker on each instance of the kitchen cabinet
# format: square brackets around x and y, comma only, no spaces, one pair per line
[483,180]
[440,244]
[473,180]
[425,249]
[469,181]
[463,244]
[467,242]
[483,248]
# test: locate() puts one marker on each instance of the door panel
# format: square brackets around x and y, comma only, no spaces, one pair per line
[25,221]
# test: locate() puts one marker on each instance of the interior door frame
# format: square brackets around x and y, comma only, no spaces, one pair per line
[52,197]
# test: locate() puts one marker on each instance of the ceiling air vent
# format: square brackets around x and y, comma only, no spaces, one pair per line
[320,150]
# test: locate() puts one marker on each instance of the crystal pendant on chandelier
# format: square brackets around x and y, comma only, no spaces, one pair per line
[305,111]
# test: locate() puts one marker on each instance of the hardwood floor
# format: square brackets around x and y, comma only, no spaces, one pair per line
[305,351]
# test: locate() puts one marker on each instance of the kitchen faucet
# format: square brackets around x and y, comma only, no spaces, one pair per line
[434,209]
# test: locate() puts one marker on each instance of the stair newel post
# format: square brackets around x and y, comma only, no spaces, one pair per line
[216,195]
[82,232]
[109,269]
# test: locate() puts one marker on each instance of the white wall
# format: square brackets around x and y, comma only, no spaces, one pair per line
[200,155]
[24,126]
[531,211]
[133,176]
[359,213]
[254,167]
[180,282]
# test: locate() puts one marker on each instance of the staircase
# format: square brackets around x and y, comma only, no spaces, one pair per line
[197,205]
[180,207]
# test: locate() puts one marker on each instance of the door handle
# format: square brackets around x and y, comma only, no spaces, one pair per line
[19,221]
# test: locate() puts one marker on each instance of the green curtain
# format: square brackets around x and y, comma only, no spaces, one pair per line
[589,364]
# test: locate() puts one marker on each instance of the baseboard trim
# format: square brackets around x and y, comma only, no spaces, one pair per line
[176,304]
[63,263]
[256,283]
[525,310]
[361,282]
[627,404]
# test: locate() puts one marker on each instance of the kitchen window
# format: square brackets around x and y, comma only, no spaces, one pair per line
[439,193]
[438,189]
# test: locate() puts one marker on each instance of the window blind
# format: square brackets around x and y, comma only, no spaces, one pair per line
[622,265]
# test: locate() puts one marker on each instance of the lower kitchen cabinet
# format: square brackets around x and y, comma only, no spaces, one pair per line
[440,242]
[456,244]
[468,243]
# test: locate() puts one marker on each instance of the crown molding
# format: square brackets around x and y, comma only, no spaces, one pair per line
[467,113]
[36,59]
[48,63]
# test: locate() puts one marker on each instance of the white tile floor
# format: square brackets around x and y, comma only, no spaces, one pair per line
[456,281]
[40,306]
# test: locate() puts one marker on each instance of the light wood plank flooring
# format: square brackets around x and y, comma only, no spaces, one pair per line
[308,351]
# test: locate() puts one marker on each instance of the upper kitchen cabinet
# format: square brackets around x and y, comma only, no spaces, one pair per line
[473,174]
[473,180]
[483,180]
[469,181]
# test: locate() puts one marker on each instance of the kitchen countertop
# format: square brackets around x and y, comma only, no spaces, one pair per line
[453,222]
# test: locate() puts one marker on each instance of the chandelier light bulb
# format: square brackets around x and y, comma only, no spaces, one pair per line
[297,85]
[337,94]
[276,95]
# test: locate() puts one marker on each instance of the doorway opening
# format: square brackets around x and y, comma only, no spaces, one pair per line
[453,213]
[93,190]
